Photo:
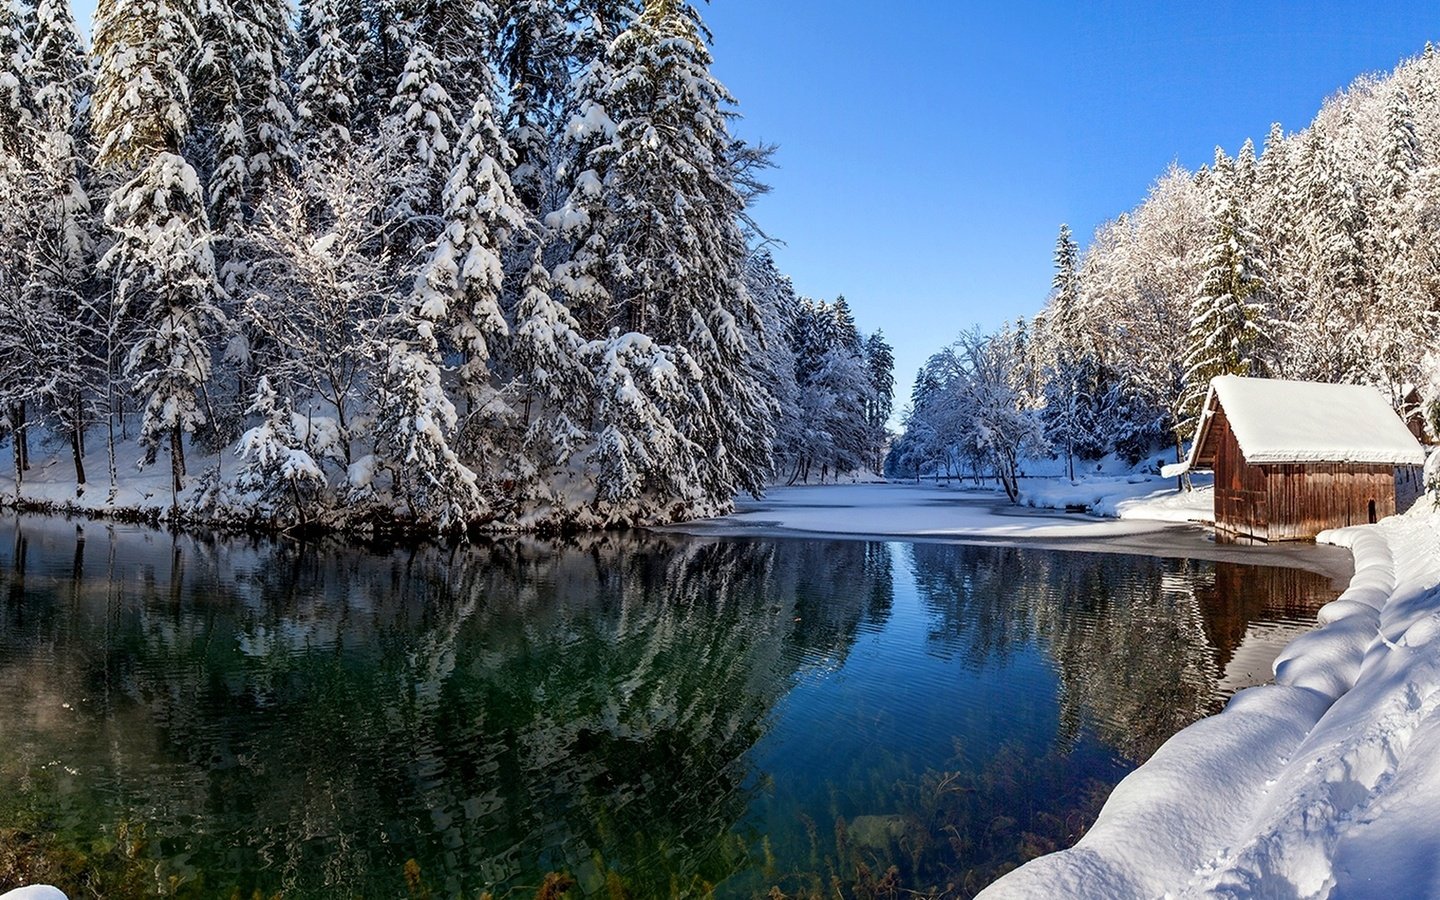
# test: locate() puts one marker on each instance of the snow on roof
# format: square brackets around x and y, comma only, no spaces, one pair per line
[1277,421]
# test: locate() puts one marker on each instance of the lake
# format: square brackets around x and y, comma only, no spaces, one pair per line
[637,714]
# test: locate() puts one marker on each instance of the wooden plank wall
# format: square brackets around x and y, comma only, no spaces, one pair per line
[1241,501]
[1307,499]
[1293,502]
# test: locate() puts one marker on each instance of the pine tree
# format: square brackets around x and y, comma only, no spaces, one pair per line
[1404,312]
[461,285]
[16,102]
[1228,330]
[161,259]
[414,431]
[1064,313]
[218,118]
[682,274]
[266,94]
[325,95]
[60,226]
[1337,276]
[1277,220]
[548,350]
[534,56]
[425,118]
[17,374]
[275,463]
[880,361]
[1070,390]
[463,33]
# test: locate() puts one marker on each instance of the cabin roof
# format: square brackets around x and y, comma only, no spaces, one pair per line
[1277,421]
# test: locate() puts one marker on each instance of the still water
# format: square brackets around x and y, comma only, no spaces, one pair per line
[646,715]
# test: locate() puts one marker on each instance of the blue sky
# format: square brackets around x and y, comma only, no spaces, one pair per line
[930,149]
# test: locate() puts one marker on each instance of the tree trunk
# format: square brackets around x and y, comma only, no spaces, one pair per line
[19,467]
[77,443]
[110,453]
[1182,481]
[22,437]
[177,463]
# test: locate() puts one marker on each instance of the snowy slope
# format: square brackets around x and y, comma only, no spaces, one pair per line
[1321,785]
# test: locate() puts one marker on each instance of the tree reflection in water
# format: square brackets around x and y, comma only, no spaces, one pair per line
[1139,643]
[198,716]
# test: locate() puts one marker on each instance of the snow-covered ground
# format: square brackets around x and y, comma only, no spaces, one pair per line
[1147,497]
[1320,785]
[144,491]
[912,510]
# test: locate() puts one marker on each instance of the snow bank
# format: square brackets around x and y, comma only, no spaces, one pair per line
[1321,785]
[1124,497]
[34,892]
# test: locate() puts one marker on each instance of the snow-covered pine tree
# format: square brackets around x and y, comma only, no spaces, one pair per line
[18,376]
[414,429]
[1277,211]
[265,92]
[59,221]
[276,467]
[424,115]
[643,455]
[774,293]
[1063,316]
[833,393]
[456,296]
[547,354]
[1403,315]
[325,93]
[220,134]
[1229,320]
[1336,275]
[584,275]
[161,261]
[682,278]
[460,286]
[1070,385]
[600,23]
[880,362]
[1245,171]
[15,98]
[534,59]
[462,33]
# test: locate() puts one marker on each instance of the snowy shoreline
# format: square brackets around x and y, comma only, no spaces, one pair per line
[928,513]
[1318,785]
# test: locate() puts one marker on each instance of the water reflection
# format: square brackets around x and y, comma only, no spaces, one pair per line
[1140,644]
[649,715]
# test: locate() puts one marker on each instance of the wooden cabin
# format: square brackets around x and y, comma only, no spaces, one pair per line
[1293,458]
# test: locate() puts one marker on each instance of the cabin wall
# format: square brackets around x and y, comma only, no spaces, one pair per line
[1241,500]
[1304,500]
[1293,502]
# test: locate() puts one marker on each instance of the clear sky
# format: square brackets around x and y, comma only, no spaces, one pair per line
[930,149]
